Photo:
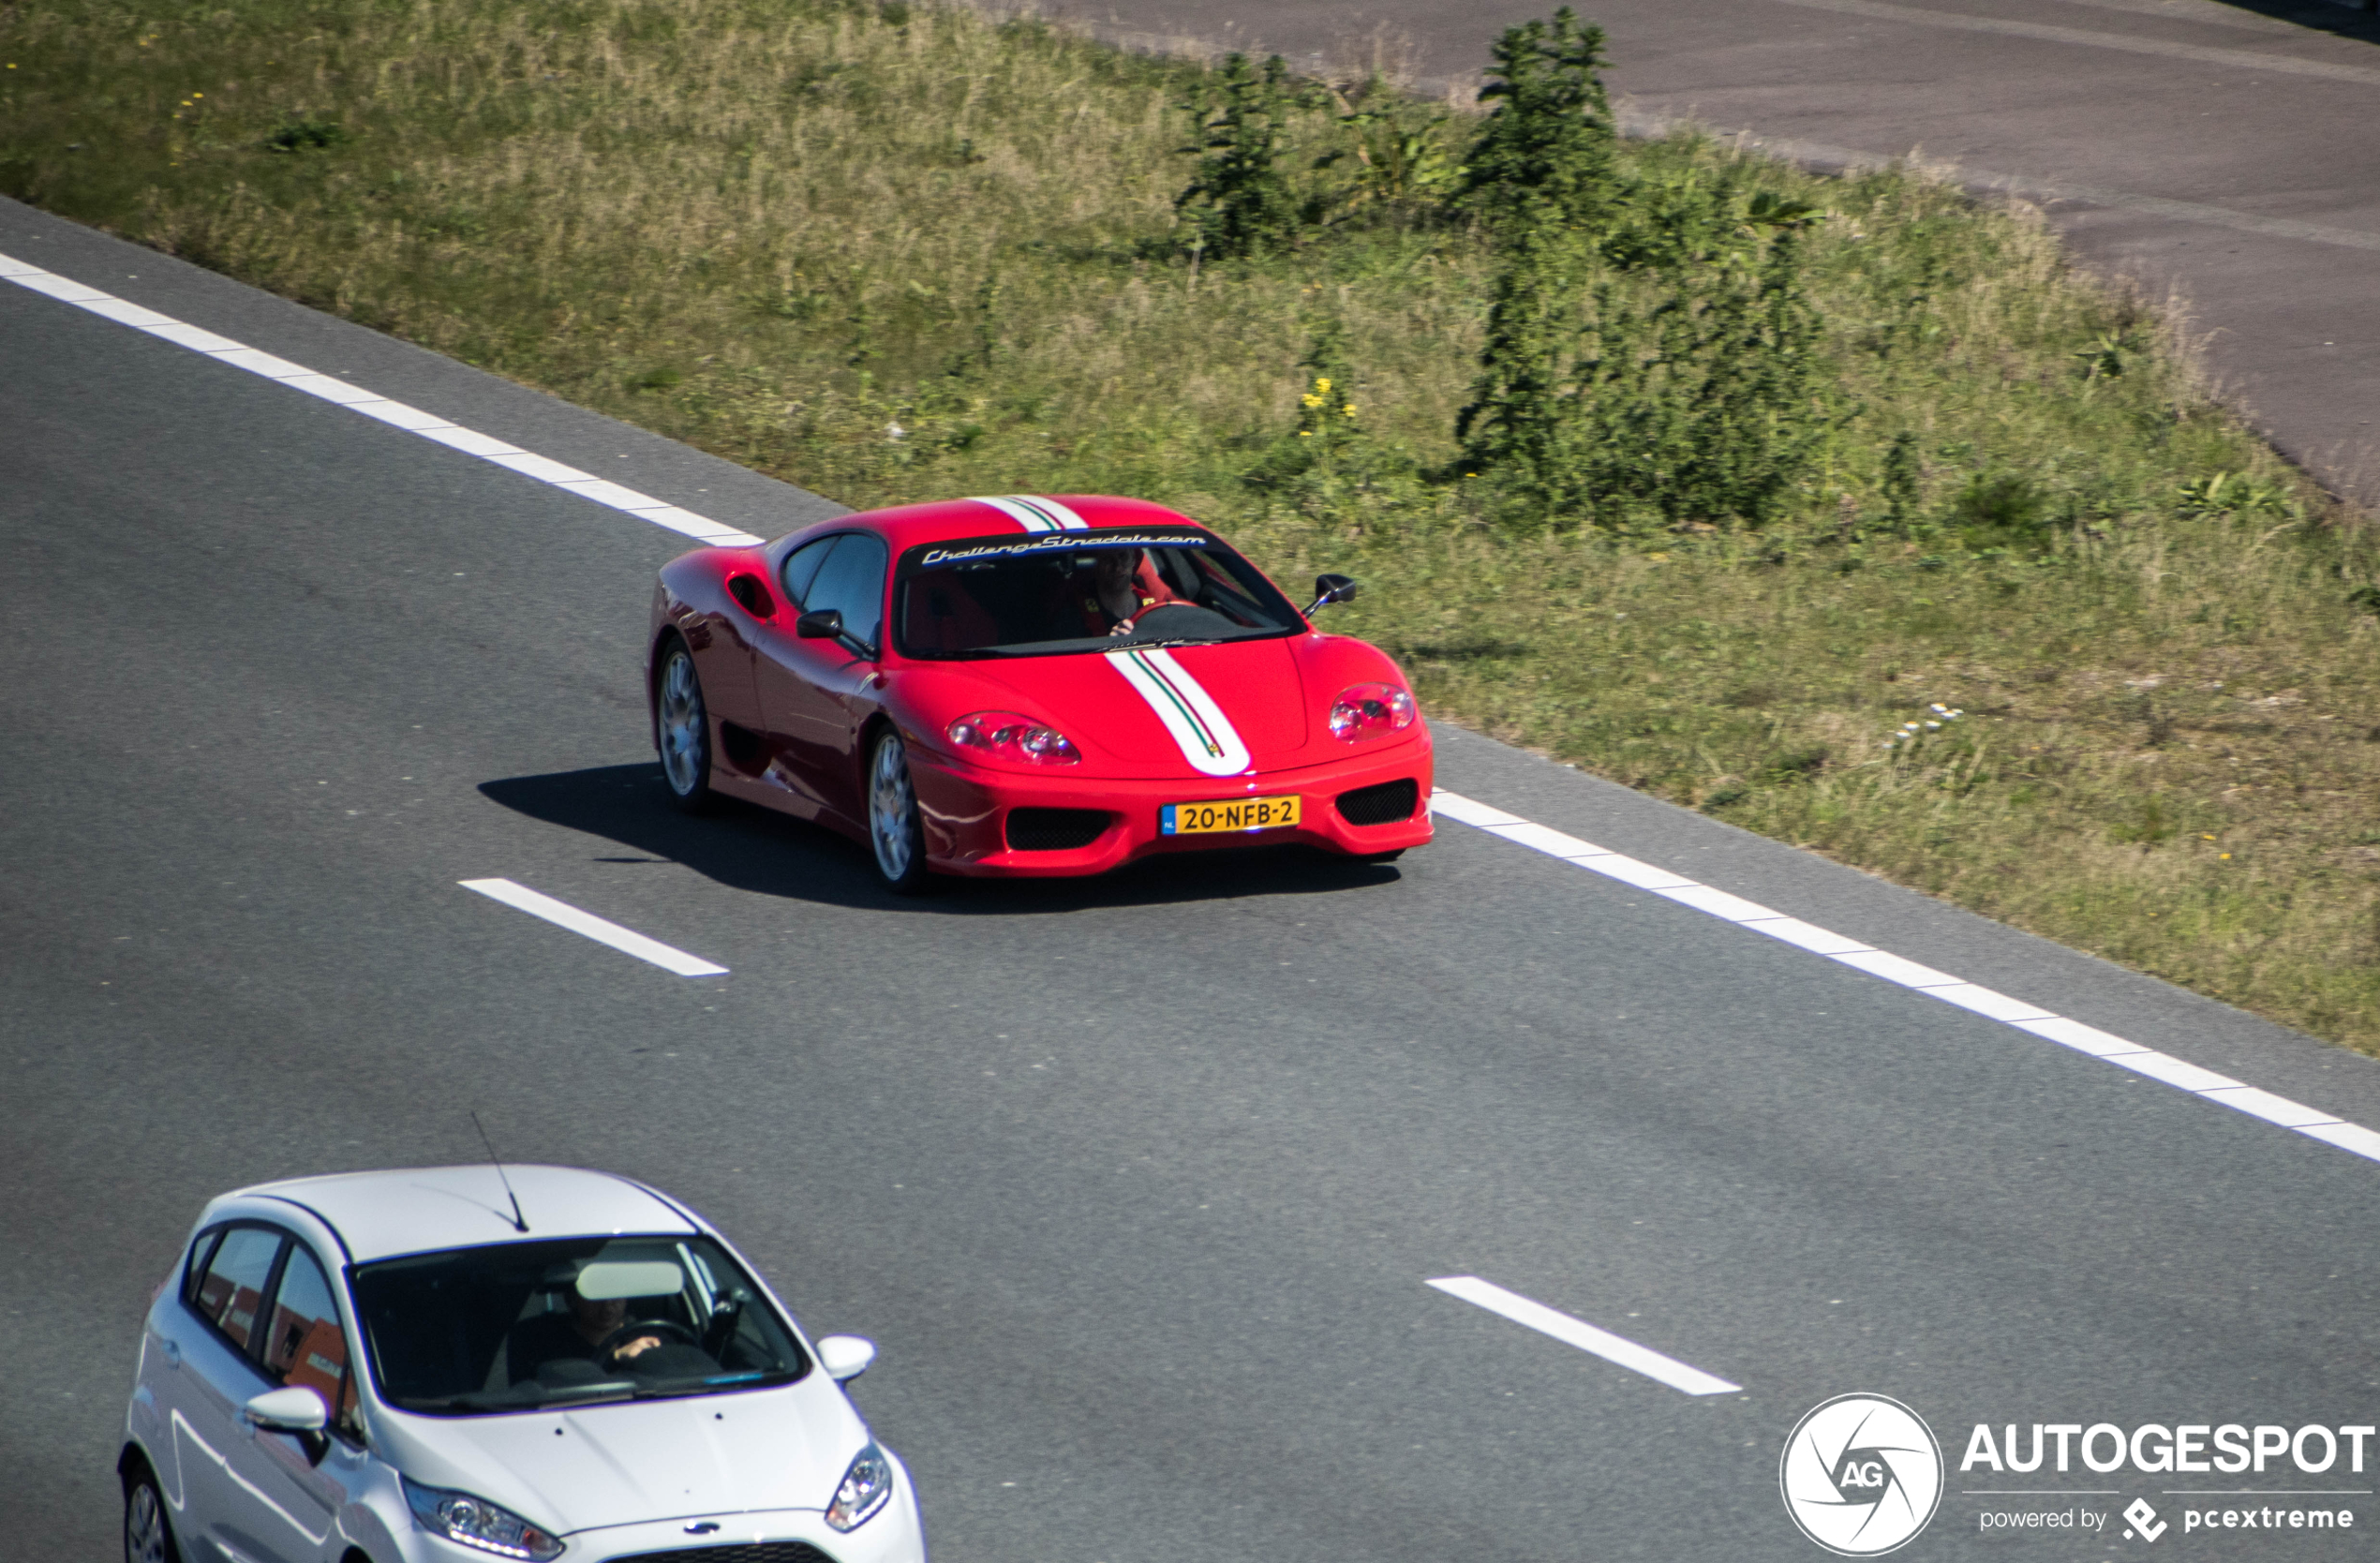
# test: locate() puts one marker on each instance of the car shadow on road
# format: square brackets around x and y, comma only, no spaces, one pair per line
[2323,16]
[749,848]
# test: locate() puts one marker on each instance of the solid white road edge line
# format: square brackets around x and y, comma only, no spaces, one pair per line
[1909,973]
[564,914]
[339,393]
[1586,1336]
[1718,904]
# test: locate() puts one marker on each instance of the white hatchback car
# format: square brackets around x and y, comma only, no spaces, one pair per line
[396,1367]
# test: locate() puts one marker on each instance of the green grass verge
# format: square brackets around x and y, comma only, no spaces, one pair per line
[891,252]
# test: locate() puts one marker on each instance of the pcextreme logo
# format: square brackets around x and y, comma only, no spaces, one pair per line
[1861,1475]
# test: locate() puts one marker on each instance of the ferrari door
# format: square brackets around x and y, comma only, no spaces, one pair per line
[815,693]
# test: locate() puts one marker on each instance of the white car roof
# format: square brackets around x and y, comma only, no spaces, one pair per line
[417,1210]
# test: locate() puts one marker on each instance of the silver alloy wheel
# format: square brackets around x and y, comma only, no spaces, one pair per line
[144,1540]
[682,723]
[892,810]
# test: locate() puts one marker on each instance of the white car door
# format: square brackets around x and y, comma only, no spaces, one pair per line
[295,1483]
[217,1377]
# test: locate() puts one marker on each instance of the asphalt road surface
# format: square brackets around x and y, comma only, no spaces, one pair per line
[2225,151]
[1137,1183]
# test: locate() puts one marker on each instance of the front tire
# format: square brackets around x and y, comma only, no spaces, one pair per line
[146,1536]
[894,828]
[681,730]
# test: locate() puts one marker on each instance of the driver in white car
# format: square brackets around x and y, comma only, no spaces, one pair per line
[578,1333]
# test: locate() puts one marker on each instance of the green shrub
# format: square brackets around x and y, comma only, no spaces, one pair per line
[1240,203]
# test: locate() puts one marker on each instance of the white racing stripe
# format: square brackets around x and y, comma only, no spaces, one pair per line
[2023,1016]
[1199,728]
[1586,1337]
[339,393]
[564,914]
[1035,513]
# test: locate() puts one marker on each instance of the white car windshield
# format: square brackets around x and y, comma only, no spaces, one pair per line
[515,1326]
[1058,592]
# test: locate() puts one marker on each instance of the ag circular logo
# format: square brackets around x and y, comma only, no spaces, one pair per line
[1861,1475]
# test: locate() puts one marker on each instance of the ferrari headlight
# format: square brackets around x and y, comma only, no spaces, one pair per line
[1368,710]
[866,1486]
[477,1523]
[1006,735]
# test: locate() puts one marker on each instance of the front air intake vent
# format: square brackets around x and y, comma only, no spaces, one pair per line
[1385,804]
[1055,830]
[746,1552]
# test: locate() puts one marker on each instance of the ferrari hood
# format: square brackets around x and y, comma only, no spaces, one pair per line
[591,1466]
[1212,710]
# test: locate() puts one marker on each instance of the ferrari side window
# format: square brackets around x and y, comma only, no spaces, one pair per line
[851,584]
[801,567]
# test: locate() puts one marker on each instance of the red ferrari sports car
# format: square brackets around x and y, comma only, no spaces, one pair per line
[1029,685]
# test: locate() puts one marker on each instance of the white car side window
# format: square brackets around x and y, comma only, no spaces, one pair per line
[305,1349]
[232,1289]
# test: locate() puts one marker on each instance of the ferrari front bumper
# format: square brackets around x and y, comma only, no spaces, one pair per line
[967,811]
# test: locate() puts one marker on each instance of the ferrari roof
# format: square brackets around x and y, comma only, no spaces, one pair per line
[415,1210]
[906,525]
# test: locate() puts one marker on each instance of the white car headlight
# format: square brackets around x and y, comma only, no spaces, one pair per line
[477,1523]
[866,1486]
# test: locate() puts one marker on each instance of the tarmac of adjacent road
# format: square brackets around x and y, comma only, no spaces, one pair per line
[2223,154]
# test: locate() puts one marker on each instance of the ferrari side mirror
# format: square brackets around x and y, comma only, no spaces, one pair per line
[1332,588]
[827,624]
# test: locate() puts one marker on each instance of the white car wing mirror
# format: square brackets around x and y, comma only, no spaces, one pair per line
[295,1409]
[845,1357]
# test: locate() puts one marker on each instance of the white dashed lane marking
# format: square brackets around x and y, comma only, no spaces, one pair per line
[1950,990]
[564,914]
[339,393]
[1586,1337]
[1644,876]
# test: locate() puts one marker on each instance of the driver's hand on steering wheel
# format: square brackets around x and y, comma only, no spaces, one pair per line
[1123,627]
[636,1347]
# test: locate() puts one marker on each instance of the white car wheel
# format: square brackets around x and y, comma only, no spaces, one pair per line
[145,1537]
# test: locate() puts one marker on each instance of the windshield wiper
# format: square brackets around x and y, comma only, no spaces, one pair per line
[527,1396]
[699,1384]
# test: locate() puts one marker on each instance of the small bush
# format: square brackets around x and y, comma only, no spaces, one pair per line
[307,133]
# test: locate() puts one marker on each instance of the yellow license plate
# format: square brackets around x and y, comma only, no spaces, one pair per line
[1239,813]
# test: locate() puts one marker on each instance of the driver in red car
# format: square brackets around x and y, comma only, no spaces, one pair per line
[1122,587]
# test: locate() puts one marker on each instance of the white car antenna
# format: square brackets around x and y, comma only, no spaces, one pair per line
[520,1223]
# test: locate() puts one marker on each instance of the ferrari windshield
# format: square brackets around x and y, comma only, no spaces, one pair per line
[514,1326]
[1055,592]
